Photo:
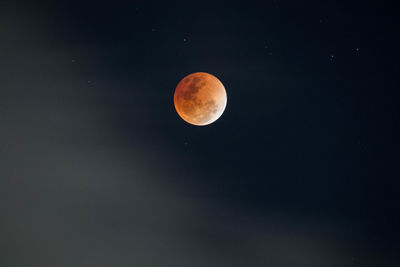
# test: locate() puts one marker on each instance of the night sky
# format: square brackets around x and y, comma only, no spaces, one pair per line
[98,169]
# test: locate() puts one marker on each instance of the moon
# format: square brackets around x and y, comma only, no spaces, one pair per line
[200,98]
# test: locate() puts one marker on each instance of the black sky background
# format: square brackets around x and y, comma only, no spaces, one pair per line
[97,169]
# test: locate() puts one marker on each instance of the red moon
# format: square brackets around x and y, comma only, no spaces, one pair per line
[200,98]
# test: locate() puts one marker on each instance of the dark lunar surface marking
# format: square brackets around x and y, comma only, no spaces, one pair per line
[193,88]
